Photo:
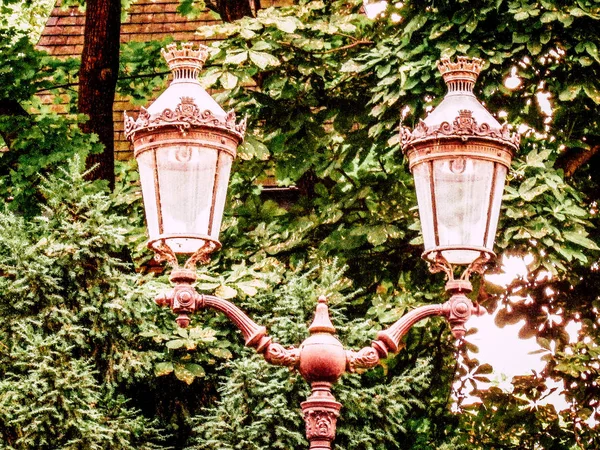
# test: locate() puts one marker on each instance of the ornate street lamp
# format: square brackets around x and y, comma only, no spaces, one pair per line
[459,156]
[184,143]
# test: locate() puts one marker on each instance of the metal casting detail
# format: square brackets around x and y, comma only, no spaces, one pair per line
[320,412]
[365,358]
[278,355]
[202,255]
[437,263]
[321,359]
[186,115]
[320,426]
[162,252]
[185,57]
[461,74]
[463,127]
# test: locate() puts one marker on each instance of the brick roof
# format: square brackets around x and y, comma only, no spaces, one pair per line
[146,20]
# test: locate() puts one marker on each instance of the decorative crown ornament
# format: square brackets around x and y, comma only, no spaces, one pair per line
[185,57]
[464,70]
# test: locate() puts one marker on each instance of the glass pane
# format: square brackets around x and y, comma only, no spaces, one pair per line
[496,203]
[186,178]
[462,193]
[146,167]
[422,176]
[224,169]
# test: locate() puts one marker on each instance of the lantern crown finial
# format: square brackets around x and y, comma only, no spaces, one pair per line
[462,74]
[185,62]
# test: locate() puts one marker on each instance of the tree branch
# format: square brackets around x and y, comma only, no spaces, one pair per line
[572,159]
[346,47]
[131,77]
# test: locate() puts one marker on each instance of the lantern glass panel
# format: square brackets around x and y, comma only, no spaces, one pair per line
[423,181]
[462,189]
[147,168]
[496,203]
[222,183]
[186,176]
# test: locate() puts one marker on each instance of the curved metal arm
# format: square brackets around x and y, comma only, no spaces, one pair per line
[184,300]
[457,310]
[255,335]
[391,337]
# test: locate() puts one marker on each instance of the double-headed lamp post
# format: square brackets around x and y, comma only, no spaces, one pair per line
[185,143]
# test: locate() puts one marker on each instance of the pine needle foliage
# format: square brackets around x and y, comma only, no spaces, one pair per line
[71,308]
[259,407]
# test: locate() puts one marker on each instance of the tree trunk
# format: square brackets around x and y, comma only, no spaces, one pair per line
[573,159]
[98,78]
[11,108]
[231,10]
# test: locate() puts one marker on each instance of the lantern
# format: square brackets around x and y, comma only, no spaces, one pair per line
[459,156]
[184,144]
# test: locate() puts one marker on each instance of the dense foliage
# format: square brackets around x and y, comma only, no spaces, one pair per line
[86,360]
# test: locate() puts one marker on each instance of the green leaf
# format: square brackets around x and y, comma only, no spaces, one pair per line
[225,292]
[471,25]
[592,92]
[228,80]
[203,334]
[163,368]
[527,185]
[521,16]
[580,239]
[262,59]
[592,50]
[485,369]
[236,58]
[247,289]
[175,344]
[415,24]
[351,66]
[533,193]
[184,374]
[377,236]
[287,24]
[569,93]
[220,352]
[195,369]
[534,47]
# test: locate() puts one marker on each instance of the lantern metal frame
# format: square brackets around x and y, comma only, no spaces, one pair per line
[460,138]
[321,359]
[192,124]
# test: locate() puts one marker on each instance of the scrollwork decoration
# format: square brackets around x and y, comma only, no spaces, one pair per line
[278,355]
[162,252]
[365,358]
[464,125]
[185,115]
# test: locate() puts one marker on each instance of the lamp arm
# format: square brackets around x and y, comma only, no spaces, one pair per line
[184,300]
[255,335]
[457,310]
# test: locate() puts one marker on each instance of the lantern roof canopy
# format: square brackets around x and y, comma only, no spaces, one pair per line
[460,114]
[185,102]
[185,64]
